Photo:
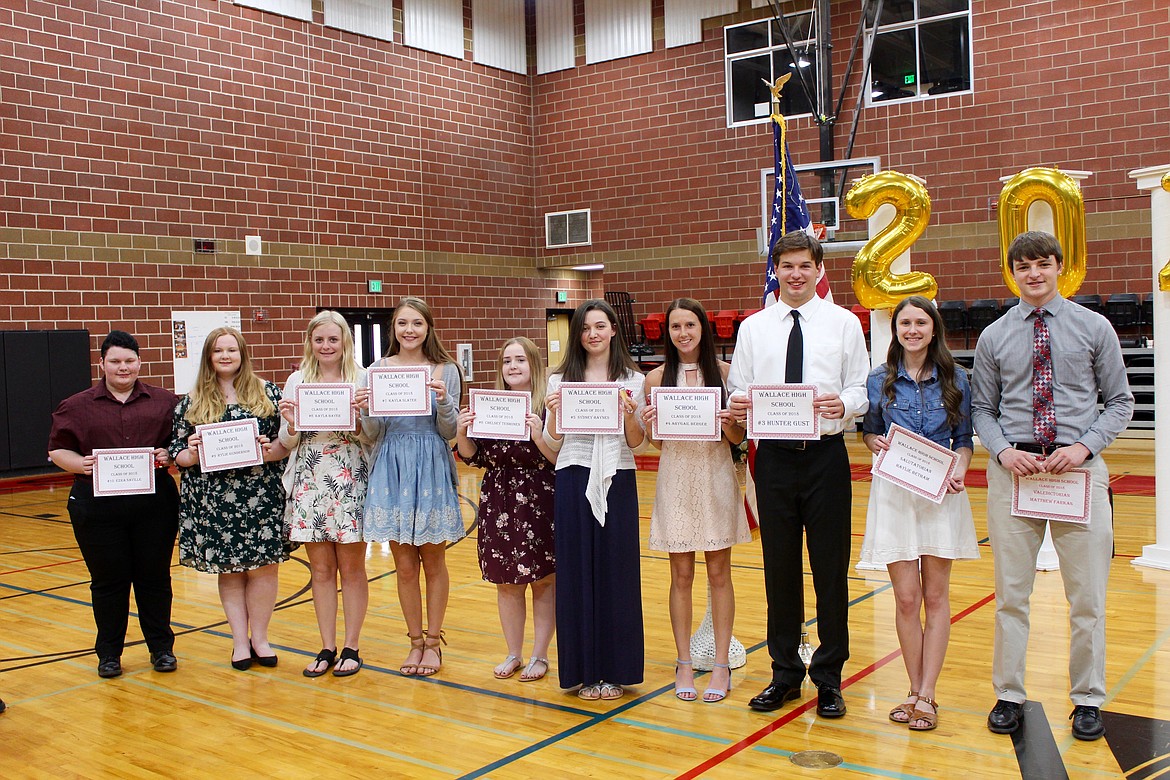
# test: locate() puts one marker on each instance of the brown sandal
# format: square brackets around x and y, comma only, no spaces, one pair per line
[431,645]
[929,718]
[905,709]
[409,668]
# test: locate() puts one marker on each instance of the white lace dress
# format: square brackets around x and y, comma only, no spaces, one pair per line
[698,505]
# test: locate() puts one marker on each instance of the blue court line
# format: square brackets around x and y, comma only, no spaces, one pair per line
[297,727]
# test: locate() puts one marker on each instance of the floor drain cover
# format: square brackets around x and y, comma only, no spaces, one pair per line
[816,759]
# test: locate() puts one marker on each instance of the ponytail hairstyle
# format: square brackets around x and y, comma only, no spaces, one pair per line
[535,369]
[310,367]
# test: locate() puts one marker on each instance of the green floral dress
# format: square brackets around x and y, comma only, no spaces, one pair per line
[231,521]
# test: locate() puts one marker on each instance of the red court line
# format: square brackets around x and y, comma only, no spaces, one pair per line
[46,566]
[784,720]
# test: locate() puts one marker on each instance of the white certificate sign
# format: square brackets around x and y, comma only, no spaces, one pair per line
[782,412]
[399,391]
[686,413]
[325,406]
[1063,497]
[916,463]
[125,471]
[229,445]
[590,407]
[500,414]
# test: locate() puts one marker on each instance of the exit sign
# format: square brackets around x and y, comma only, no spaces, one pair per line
[908,79]
[562,296]
[375,285]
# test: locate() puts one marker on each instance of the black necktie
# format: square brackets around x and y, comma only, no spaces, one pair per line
[794,363]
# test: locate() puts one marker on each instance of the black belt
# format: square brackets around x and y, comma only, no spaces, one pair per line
[804,444]
[1040,449]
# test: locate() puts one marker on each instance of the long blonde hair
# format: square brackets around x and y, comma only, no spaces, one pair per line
[535,370]
[310,366]
[207,400]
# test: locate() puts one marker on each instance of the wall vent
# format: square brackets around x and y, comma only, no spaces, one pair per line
[568,228]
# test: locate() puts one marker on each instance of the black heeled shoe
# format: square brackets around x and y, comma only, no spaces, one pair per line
[267,661]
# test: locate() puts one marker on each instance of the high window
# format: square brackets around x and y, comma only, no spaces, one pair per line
[756,52]
[922,49]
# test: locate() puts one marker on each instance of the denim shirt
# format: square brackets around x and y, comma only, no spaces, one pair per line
[918,406]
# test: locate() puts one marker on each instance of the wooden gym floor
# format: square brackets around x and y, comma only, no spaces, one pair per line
[208,720]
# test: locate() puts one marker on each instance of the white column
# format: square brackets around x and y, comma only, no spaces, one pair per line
[1040,217]
[1157,555]
[879,320]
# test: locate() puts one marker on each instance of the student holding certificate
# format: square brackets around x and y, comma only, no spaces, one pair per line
[412,501]
[516,514]
[325,481]
[125,540]
[231,521]
[698,504]
[600,640]
[921,389]
[1040,416]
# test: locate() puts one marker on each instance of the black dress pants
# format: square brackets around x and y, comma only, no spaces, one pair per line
[805,493]
[128,541]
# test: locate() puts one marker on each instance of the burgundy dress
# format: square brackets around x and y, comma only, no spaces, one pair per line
[516,543]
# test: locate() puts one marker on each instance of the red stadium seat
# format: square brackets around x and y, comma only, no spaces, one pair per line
[653,326]
[724,323]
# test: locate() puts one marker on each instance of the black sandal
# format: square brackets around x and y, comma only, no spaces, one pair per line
[326,656]
[348,654]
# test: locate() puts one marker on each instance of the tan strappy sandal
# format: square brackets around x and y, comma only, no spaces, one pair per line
[929,718]
[431,645]
[903,712]
[417,644]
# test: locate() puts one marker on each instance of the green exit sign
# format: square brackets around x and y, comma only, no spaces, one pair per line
[562,296]
[375,285]
[908,79]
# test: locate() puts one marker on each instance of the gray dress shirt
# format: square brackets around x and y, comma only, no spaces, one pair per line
[1086,358]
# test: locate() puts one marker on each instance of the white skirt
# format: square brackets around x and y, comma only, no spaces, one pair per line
[903,526]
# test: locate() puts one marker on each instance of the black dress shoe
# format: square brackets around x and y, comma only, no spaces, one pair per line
[267,661]
[242,665]
[164,661]
[109,667]
[774,696]
[1087,723]
[830,702]
[1004,718]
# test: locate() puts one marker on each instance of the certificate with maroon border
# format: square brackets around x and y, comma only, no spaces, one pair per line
[325,406]
[590,408]
[686,413]
[916,463]
[123,471]
[1063,497]
[399,391]
[782,412]
[500,414]
[234,444]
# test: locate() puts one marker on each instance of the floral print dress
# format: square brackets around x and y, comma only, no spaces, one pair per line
[516,544]
[231,521]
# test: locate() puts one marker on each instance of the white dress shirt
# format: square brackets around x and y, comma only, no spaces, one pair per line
[835,356]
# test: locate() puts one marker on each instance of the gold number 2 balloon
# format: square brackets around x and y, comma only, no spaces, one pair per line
[1063,194]
[874,284]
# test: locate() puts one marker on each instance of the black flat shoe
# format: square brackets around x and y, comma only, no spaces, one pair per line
[830,702]
[1004,718]
[327,657]
[774,697]
[1087,724]
[242,665]
[164,661]
[109,667]
[268,661]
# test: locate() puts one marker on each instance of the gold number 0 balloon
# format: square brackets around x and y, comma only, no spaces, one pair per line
[1061,192]
[873,283]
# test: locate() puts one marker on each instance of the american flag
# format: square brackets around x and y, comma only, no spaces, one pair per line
[789,213]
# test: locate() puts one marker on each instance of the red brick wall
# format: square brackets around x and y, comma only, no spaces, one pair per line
[644,143]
